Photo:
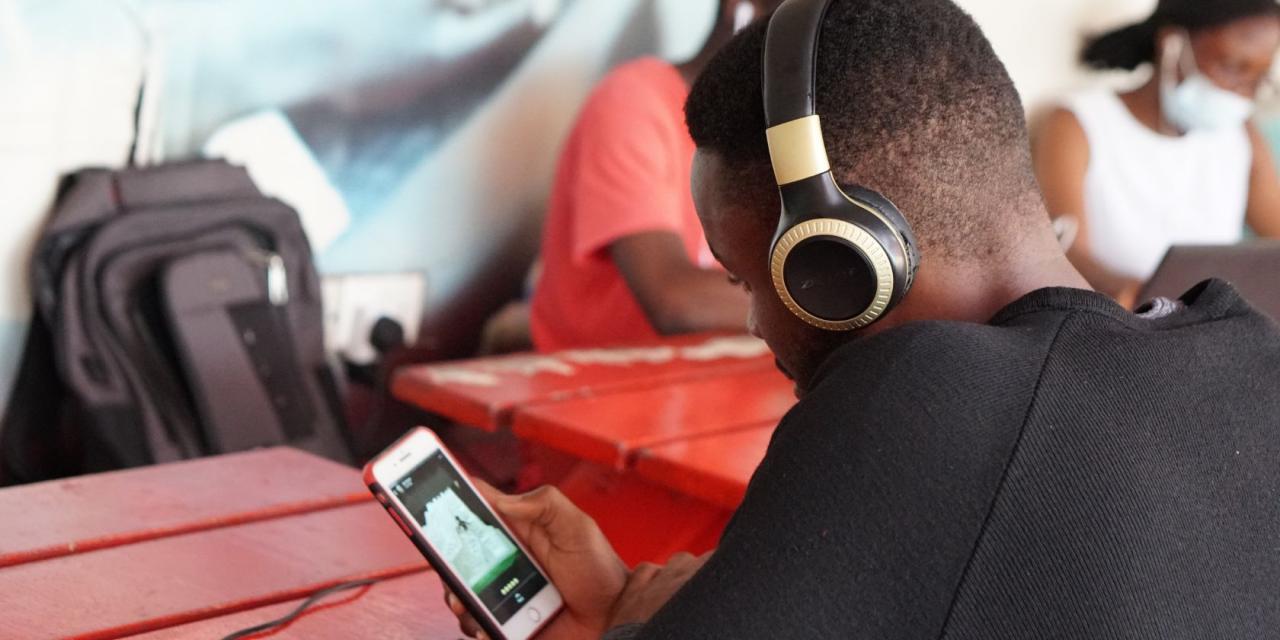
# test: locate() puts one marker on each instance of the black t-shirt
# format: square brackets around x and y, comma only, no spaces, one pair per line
[1070,470]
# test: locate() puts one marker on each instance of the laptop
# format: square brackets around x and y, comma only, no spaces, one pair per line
[1253,268]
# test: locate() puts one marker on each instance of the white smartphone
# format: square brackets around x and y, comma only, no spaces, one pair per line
[476,555]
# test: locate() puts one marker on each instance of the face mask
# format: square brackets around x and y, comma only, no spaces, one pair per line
[1197,104]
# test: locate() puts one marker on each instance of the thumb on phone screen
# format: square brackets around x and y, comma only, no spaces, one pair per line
[577,557]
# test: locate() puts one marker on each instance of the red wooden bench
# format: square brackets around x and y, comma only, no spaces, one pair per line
[609,429]
[602,407]
[691,484]
[152,549]
[404,608]
[715,468]
[78,515]
[484,393]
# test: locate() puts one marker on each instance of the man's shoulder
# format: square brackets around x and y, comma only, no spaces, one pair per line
[919,391]
[644,70]
[637,105]
[965,357]
[885,472]
[636,83]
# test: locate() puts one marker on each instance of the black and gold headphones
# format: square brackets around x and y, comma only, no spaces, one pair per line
[840,260]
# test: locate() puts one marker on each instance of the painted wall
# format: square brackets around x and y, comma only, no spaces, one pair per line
[439,121]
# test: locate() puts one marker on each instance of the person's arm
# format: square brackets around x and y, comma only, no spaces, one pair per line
[1062,161]
[1264,188]
[631,203]
[677,296]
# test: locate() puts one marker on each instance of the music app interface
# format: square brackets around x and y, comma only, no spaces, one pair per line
[468,537]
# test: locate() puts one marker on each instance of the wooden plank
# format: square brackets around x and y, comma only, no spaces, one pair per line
[405,608]
[714,468]
[120,591]
[609,429]
[78,515]
[645,521]
[483,393]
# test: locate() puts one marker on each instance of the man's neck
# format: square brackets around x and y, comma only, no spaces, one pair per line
[970,292]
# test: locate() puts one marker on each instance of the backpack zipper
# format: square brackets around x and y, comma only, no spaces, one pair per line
[276,273]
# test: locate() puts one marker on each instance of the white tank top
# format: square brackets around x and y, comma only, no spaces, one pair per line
[1145,192]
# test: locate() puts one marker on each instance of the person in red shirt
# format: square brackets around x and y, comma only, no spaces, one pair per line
[624,258]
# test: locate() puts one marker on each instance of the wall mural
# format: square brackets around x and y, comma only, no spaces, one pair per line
[370,136]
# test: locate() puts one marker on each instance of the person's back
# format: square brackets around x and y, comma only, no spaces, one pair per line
[1069,471]
[1143,493]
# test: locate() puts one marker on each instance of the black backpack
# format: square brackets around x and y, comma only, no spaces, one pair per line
[177,314]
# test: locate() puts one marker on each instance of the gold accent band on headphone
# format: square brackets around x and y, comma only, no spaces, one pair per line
[860,239]
[797,150]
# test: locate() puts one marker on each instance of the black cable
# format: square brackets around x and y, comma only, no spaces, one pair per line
[302,608]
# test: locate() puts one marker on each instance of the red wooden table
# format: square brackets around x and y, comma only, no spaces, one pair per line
[610,429]
[715,468]
[674,406]
[398,609]
[204,548]
[484,393]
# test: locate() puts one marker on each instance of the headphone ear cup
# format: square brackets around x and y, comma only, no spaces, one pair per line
[830,278]
[881,204]
[891,213]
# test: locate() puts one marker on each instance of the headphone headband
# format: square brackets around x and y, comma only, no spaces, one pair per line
[796,144]
[791,60]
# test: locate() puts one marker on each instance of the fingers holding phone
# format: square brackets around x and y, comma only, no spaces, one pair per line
[650,587]
[576,555]
[506,593]
[466,622]
[515,566]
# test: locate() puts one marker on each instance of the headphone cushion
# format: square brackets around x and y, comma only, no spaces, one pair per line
[890,211]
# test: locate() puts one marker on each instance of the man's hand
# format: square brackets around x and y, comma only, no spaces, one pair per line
[651,587]
[576,556]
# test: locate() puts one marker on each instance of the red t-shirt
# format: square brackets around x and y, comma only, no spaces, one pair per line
[625,170]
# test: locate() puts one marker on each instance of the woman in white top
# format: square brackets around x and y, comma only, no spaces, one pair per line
[1175,161]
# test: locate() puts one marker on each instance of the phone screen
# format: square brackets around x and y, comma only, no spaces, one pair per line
[468,537]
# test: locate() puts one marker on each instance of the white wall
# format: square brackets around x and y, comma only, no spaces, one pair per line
[68,89]
[1040,40]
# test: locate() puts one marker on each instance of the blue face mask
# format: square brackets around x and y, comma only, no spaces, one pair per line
[1197,104]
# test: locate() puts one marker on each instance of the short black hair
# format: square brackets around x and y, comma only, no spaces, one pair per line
[1132,46]
[914,103]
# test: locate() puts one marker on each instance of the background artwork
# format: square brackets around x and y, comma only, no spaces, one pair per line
[438,121]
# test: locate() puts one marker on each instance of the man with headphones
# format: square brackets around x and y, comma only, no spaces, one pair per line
[984,448]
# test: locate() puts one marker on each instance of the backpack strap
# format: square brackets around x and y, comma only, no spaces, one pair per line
[32,429]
